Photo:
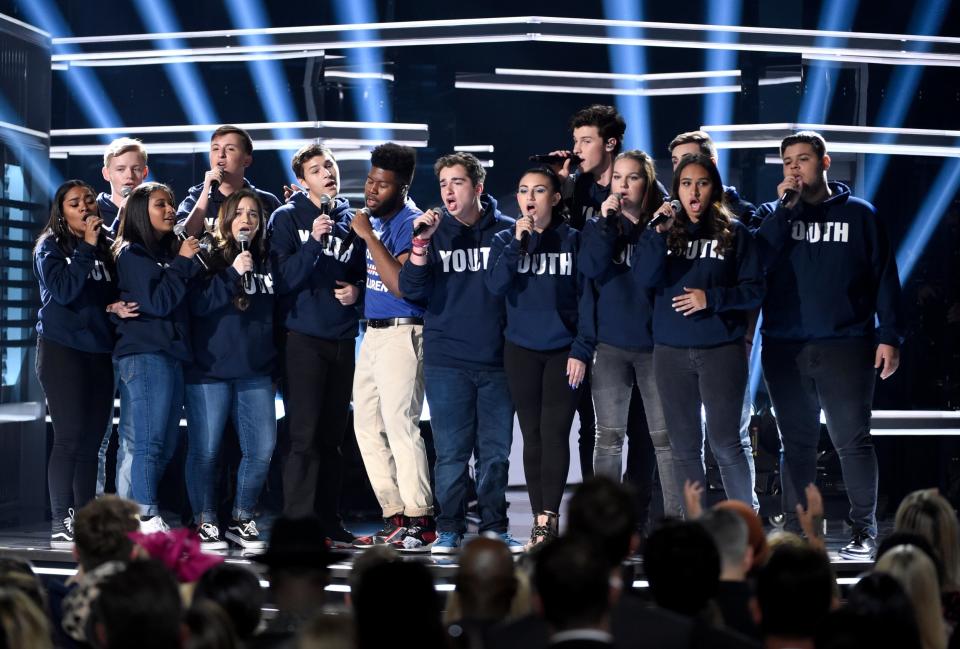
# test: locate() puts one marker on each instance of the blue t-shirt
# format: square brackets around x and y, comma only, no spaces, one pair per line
[395,234]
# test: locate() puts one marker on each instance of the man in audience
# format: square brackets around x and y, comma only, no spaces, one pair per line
[486,585]
[396,602]
[795,592]
[729,533]
[138,607]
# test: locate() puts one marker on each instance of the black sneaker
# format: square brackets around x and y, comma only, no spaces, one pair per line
[245,534]
[862,547]
[61,538]
[210,537]
[339,538]
[419,537]
[393,530]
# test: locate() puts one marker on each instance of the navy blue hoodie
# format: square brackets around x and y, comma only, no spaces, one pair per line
[583,197]
[229,343]
[624,309]
[743,209]
[463,322]
[270,203]
[109,212]
[160,288]
[830,271]
[305,272]
[74,294]
[549,302]
[732,281]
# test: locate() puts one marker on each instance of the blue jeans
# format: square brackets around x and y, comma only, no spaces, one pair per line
[151,401]
[471,413]
[250,405]
[124,452]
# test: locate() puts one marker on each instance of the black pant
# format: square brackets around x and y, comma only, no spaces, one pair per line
[588,427]
[641,459]
[318,381]
[79,390]
[837,376]
[545,404]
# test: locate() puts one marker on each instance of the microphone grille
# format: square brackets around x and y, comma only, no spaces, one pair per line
[676,205]
[324,199]
[125,191]
[179,229]
[243,236]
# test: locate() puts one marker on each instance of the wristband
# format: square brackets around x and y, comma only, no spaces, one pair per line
[418,254]
[421,243]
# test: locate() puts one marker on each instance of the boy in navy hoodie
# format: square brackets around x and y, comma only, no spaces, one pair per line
[231,152]
[466,385]
[388,383]
[318,282]
[831,275]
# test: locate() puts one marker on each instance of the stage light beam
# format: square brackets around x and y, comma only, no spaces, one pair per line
[630,60]
[821,84]
[718,108]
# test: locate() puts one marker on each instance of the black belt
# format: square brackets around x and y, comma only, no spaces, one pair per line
[393,322]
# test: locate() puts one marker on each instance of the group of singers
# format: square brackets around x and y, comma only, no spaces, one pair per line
[605,283]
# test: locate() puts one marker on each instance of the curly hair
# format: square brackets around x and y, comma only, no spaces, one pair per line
[717,219]
[609,123]
[401,160]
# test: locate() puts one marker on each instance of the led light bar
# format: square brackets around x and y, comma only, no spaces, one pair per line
[661,76]
[24,130]
[162,59]
[161,148]
[919,60]
[474,148]
[595,90]
[252,126]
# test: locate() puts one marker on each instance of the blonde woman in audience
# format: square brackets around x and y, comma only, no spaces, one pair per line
[22,624]
[917,575]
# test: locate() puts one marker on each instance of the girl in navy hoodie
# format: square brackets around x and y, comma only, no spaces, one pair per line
[624,357]
[548,340]
[706,274]
[234,355]
[154,270]
[78,289]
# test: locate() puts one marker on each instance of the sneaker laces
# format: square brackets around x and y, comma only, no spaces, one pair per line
[210,531]
[249,528]
[68,521]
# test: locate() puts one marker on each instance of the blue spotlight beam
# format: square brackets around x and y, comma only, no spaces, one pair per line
[88,94]
[927,19]
[159,16]
[37,165]
[630,60]
[718,108]
[925,222]
[837,15]
[373,104]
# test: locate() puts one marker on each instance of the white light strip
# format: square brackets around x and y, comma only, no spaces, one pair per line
[253,126]
[59,66]
[916,414]
[854,147]
[59,572]
[580,90]
[665,76]
[202,147]
[915,432]
[775,81]
[194,58]
[341,74]
[841,58]
[841,128]
[20,23]
[474,148]
[24,130]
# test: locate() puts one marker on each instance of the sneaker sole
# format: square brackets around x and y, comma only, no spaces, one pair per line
[444,549]
[244,543]
[61,545]
[213,545]
[423,549]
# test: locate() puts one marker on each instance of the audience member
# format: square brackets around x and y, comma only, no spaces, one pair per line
[327,631]
[138,607]
[208,627]
[237,591]
[17,574]
[683,567]
[485,588]
[918,577]
[729,533]
[22,624]
[878,614]
[379,613]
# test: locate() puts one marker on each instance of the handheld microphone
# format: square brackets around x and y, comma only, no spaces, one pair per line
[125,191]
[787,196]
[243,238]
[214,186]
[611,214]
[525,238]
[180,231]
[663,217]
[324,210]
[420,229]
[548,159]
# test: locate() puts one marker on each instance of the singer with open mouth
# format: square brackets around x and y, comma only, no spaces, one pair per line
[549,336]
[75,338]
[319,278]
[705,271]
[231,374]
[155,268]
[624,316]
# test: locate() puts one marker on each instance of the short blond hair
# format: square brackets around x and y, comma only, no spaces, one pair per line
[124,145]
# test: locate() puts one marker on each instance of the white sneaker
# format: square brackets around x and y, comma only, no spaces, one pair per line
[210,537]
[153,525]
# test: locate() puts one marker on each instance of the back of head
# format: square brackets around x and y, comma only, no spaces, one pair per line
[795,591]
[237,591]
[401,160]
[729,534]
[17,574]
[392,597]
[22,624]
[327,631]
[918,541]
[683,566]
[369,559]
[881,613]
[138,607]
[209,627]
[486,583]
[101,530]
[572,583]
[603,512]
[755,534]
[918,577]
[927,513]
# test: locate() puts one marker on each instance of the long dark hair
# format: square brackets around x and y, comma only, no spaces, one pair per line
[57,228]
[227,247]
[135,226]
[559,210]
[717,219]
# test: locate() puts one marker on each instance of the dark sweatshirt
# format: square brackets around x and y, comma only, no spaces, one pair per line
[732,281]
[464,320]
[831,273]
[270,203]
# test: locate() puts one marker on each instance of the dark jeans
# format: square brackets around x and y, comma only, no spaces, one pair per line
[318,380]
[588,427]
[712,378]
[837,376]
[545,405]
[79,390]
[470,414]
[615,373]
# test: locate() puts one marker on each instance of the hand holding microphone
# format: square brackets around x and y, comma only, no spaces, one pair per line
[523,231]
[610,210]
[212,180]
[663,218]
[325,211]
[563,162]
[91,228]
[189,246]
[243,264]
[789,191]
[427,223]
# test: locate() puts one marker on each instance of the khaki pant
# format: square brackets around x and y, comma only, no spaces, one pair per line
[387,400]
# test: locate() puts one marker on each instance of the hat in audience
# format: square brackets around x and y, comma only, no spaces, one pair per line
[299,543]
